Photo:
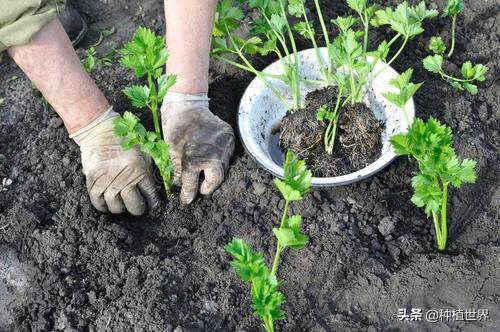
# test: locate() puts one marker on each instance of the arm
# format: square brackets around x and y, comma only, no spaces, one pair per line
[189,35]
[117,180]
[200,142]
[52,65]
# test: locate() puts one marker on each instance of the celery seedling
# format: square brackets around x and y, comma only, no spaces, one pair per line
[327,113]
[147,55]
[430,143]
[90,60]
[470,73]
[251,267]
[453,8]
[405,20]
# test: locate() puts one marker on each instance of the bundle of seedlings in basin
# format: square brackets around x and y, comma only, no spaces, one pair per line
[335,132]
[147,55]
[351,70]
[251,267]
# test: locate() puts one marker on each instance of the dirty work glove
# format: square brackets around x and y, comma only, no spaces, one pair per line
[199,142]
[117,180]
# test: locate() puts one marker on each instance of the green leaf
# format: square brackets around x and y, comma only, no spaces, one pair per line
[120,127]
[145,53]
[427,193]
[430,143]
[248,265]
[471,88]
[405,19]
[357,5]
[227,18]
[90,60]
[467,172]
[468,70]
[251,45]
[455,84]
[296,7]
[437,45]
[421,13]
[480,72]
[324,113]
[151,137]
[289,235]
[138,95]
[405,87]
[433,63]
[453,7]
[402,80]
[400,144]
[164,84]
[267,300]
[268,47]
[288,239]
[382,17]
[383,50]
[303,29]
[129,128]
[278,22]
[344,23]
[297,180]
[351,45]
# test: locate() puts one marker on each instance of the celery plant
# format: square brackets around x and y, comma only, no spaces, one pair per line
[471,73]
[147,55]
[430,144]
[251,267]
[453,8]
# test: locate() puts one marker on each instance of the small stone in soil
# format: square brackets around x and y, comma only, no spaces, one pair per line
[259,188]
[55,123]
[386,226]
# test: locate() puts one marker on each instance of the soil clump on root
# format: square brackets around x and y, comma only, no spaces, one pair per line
[358,142]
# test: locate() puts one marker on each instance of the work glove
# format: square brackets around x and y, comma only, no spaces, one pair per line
[199,142]
[117,179]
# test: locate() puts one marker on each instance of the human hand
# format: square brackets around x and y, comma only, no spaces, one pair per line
[118,180]
[199,142]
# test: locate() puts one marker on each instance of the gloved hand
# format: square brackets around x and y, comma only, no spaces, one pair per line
[199,141]
[117,180]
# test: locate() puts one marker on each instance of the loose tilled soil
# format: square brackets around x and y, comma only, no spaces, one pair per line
[64,266]
[358,139]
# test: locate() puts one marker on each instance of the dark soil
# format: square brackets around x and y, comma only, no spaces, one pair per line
[358,139]
[371,251]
